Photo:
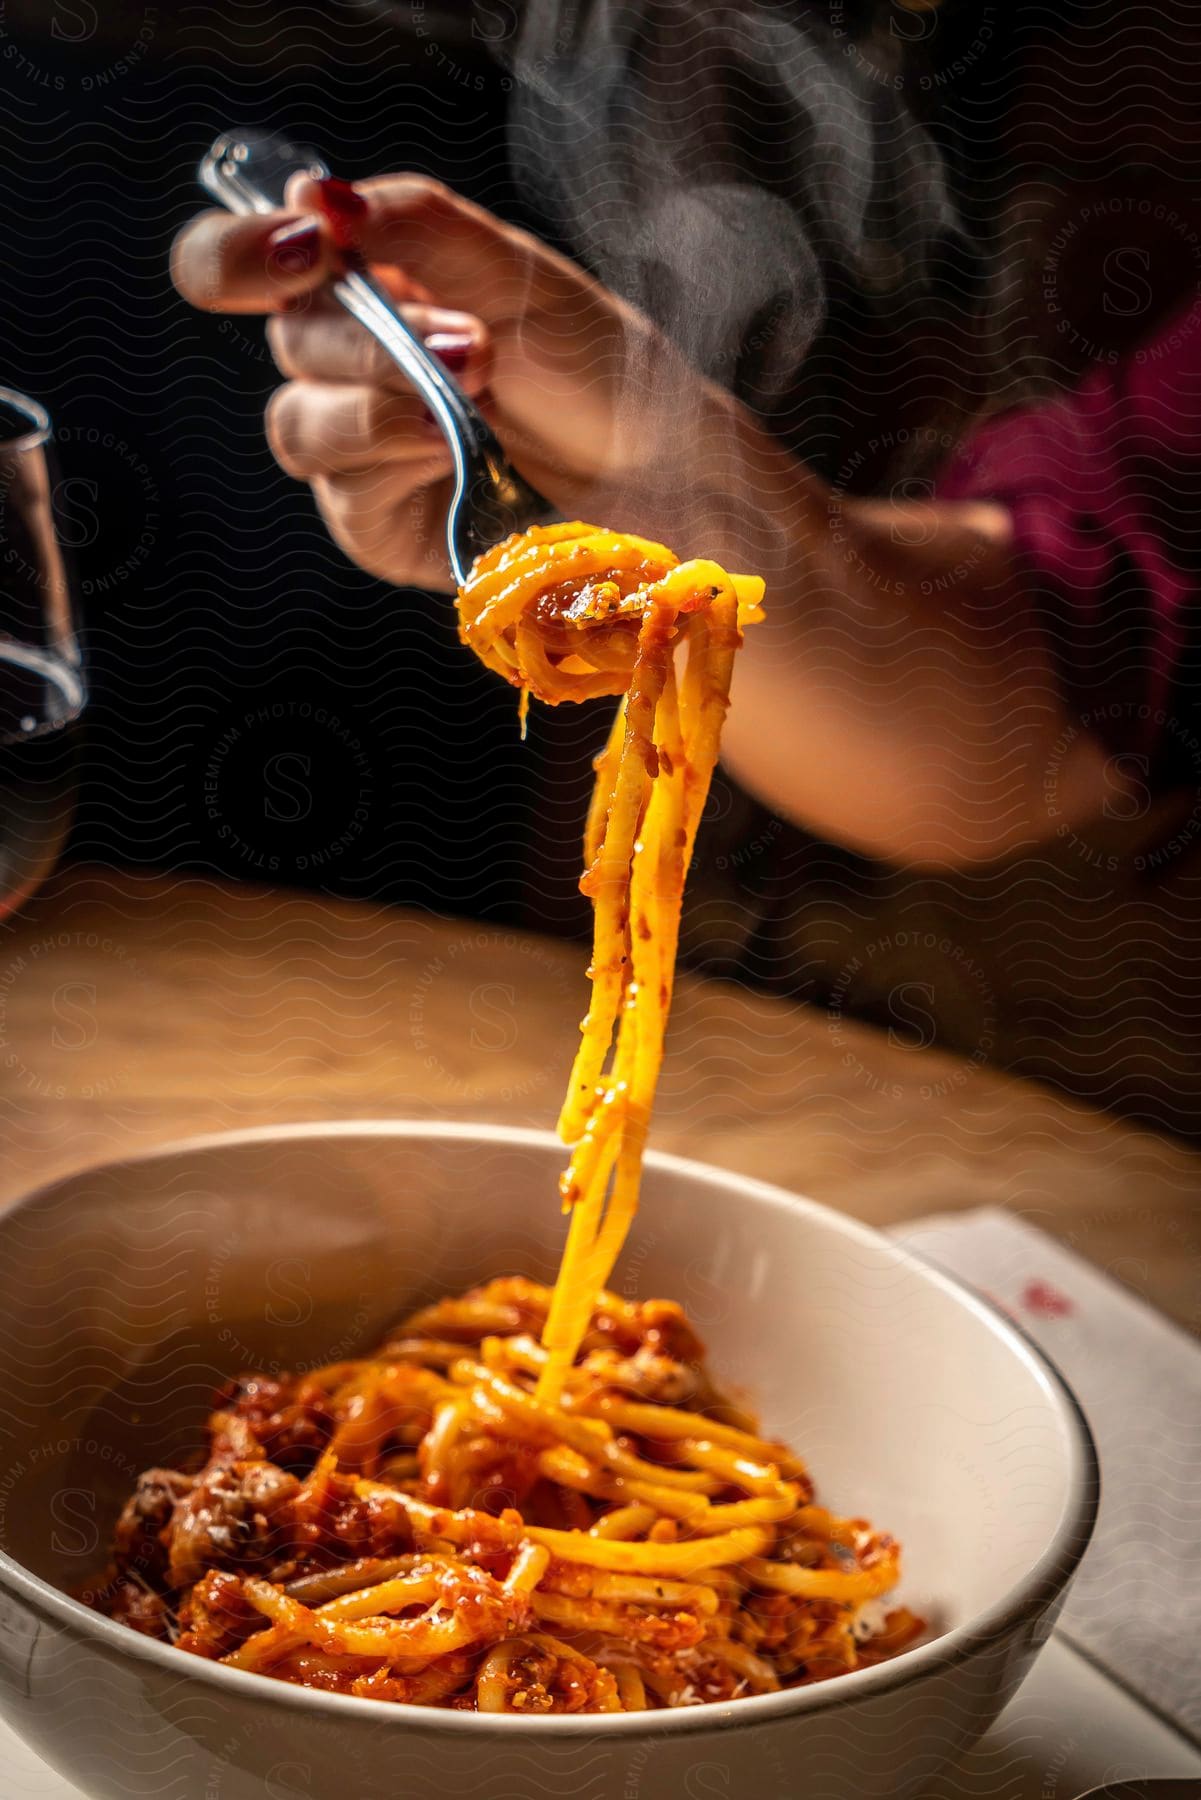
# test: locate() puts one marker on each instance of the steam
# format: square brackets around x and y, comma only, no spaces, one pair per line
[741,172]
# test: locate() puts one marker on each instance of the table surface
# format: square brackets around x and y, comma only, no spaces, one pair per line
[135,1009]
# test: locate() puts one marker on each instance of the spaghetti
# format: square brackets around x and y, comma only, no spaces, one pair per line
[420,1527]
[535,1501]
[569,612]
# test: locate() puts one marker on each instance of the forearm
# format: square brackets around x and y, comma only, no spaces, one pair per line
[898,697]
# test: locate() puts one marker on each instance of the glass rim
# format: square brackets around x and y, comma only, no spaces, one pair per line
[39,421]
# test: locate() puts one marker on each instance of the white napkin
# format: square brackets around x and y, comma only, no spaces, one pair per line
[1136,1603]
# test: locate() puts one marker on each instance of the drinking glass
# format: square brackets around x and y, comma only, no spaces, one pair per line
[41,672]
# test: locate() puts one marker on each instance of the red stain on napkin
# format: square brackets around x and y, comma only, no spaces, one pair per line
[1045,1301]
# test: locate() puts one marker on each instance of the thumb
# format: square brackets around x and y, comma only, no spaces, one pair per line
[223,263]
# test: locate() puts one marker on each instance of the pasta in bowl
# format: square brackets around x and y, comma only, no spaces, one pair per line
[417,1528]
[130,1291]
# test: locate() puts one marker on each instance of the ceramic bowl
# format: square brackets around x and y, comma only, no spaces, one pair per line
[128,1292]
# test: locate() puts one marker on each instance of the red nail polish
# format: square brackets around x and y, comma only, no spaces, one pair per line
[452,348]
[345,210]
[295,249]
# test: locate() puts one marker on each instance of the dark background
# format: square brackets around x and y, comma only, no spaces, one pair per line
[211,594]
[210,590]
[261,709]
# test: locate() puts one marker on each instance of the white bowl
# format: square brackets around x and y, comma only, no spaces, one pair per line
[129,1291]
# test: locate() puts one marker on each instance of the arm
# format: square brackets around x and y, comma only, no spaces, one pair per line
[899,697]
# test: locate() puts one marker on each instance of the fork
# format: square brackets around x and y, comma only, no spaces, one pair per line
[248,173]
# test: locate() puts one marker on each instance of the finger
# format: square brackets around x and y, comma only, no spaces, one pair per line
[329,199]
[227,264]
[391,520]
[459,251]
[328,345]
[322,428]
[565,353]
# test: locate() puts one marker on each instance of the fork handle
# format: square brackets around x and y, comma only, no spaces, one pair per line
[248,172]
[461,422]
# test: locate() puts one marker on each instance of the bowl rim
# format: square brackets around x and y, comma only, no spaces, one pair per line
[1024,1600]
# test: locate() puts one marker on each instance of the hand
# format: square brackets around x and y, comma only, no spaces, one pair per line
[589,400]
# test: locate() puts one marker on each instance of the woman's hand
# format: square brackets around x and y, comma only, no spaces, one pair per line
[588,399]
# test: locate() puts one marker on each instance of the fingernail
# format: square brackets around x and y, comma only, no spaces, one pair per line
[452,348]
[344,208]
[296,248]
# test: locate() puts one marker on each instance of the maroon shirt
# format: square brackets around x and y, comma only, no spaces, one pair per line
[1104,486]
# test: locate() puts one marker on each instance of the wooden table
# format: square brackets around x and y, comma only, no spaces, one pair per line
[135,1009]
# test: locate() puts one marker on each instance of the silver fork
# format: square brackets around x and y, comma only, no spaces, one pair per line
[248,173]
